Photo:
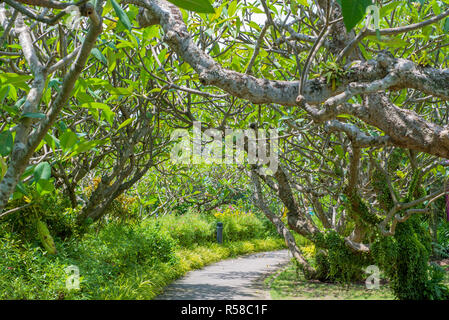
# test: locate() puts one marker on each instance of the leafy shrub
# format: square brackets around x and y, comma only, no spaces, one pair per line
[342,264]
[110,268]
[129,245]
[51,208]
[121,209]
[443,235]
[405,257]
[434,289]
[239,225]
[309,251]
[322,266]
[188,229]
[193,228]
[118,250]
[268,227]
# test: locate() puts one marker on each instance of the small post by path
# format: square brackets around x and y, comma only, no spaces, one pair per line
[220,232]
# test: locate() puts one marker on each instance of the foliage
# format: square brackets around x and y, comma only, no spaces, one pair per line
[188,229]
[342,264]
[239,225]
[405,261]
[134,245]
[353,11]
[358,209]
[195,5]
[120,209]
[288,285]
[380,185]
[405,256]
[443,232]
[118,261]
[52,209]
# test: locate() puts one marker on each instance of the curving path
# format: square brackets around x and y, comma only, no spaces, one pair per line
[232,279]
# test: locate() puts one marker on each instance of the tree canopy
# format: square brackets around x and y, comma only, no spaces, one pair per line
[357,92]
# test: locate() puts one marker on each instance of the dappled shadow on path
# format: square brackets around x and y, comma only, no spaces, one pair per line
[203,292]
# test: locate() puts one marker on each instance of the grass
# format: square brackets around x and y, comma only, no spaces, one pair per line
[289,284]
[122,260]
[200,256]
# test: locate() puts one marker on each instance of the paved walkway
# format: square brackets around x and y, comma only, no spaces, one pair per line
[231,279]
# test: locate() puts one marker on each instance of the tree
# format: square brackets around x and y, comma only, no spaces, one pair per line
[366,99]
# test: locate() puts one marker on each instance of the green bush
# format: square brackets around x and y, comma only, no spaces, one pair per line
[116,251]
[405,257]
[342,264]
[187,230]
[443,235]
[129,245]
[268,227]
[241,227]
[53,209]
[193,228]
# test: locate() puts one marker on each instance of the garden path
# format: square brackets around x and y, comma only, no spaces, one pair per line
[231,279]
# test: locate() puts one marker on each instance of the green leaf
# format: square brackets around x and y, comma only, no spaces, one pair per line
[11,110]
[12,92]
[62,126]
[42,171]
[202,6]
[446,25]
[3,167]
[339,150]
[121,14]
[353,11]
[34,115]
[150,32]
[435,7]
[345,116]
[20,187]
[386,9]
[117,91]
[4,92]
[14,78]
[94,105]
[68,140]
[86,146]
[125,123]
[45,186]
[52,141]
[6,143]
[107,113]
[97,54]
[232,8]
